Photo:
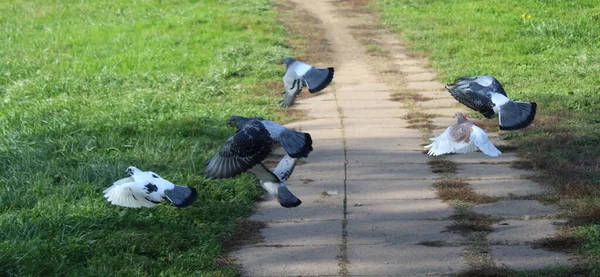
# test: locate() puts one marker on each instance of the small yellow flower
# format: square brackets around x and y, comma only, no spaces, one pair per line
[529,16]
[523,15]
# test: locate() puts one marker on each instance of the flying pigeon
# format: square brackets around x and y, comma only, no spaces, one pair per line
[299,73]
[273,182]
[252,143]
[146,189]
[486,95]
[464,137]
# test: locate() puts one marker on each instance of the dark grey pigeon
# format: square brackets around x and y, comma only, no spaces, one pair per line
[273,182]
[487,96]
[298,74]
[252,143]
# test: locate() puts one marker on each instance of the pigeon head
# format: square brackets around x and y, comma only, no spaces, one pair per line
[460,117]
[238,121]
[132,170]
[287,61]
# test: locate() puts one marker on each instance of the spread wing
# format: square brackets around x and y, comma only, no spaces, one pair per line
[473,94]
[248,147]
[481,140]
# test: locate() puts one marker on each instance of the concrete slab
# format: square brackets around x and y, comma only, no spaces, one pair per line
[377,123]
[414,68]
[490,171]
[479,158]
[507,187]
[389,172]
[393,144]
[525,257]
[367,132]
[313,208]
[302,233]
[447,113]
[357,103]
[515,208]
[435,93]
[315,124]
[437,103]
[379,157]
[390,189]
[368,112]
[325,134]
[402,260]
[397,209]
[407,62]
[362,87]
[444,121]
[399,232]
[425,85]
[288,261]
[518,232]
[425,76]
[320,171]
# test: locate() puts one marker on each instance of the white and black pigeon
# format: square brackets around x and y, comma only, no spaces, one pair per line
[273,182]
[252,143]
[146,189]
[487,96]
[298,74]
[464,137]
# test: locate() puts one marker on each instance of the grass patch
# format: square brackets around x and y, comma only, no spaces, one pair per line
[440,165]
[467,222]
[89,88]
[547,56]
[435,243]
[452,189]
[559,243]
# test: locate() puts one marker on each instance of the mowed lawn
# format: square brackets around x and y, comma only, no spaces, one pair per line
[90,87]
[542,51]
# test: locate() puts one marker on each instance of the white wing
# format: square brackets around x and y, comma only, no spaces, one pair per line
[481,140]
[445,144]
[284,169]
[127,194]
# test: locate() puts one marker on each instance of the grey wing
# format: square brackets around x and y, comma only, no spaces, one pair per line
[300,68]
[486,84]
[284,169]
[473,95]
[248,147]
[292,86]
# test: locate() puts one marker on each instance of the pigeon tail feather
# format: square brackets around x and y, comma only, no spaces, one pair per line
[516,115]
[181,196]
[296,144]
[286,198]
[318,79]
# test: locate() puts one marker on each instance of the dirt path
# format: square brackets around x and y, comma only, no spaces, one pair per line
[369,207]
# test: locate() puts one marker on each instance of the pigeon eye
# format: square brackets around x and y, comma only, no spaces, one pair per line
[155,176]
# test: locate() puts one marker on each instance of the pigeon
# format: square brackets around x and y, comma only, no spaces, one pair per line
[464,137]
[146,189]
[486,95]
[252,143]
[273,182]
[299,73]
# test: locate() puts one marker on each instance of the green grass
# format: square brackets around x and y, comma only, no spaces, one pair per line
[542,51]
[91,87]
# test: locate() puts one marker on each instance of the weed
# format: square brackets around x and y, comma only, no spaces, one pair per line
[452,189]
[440,165]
